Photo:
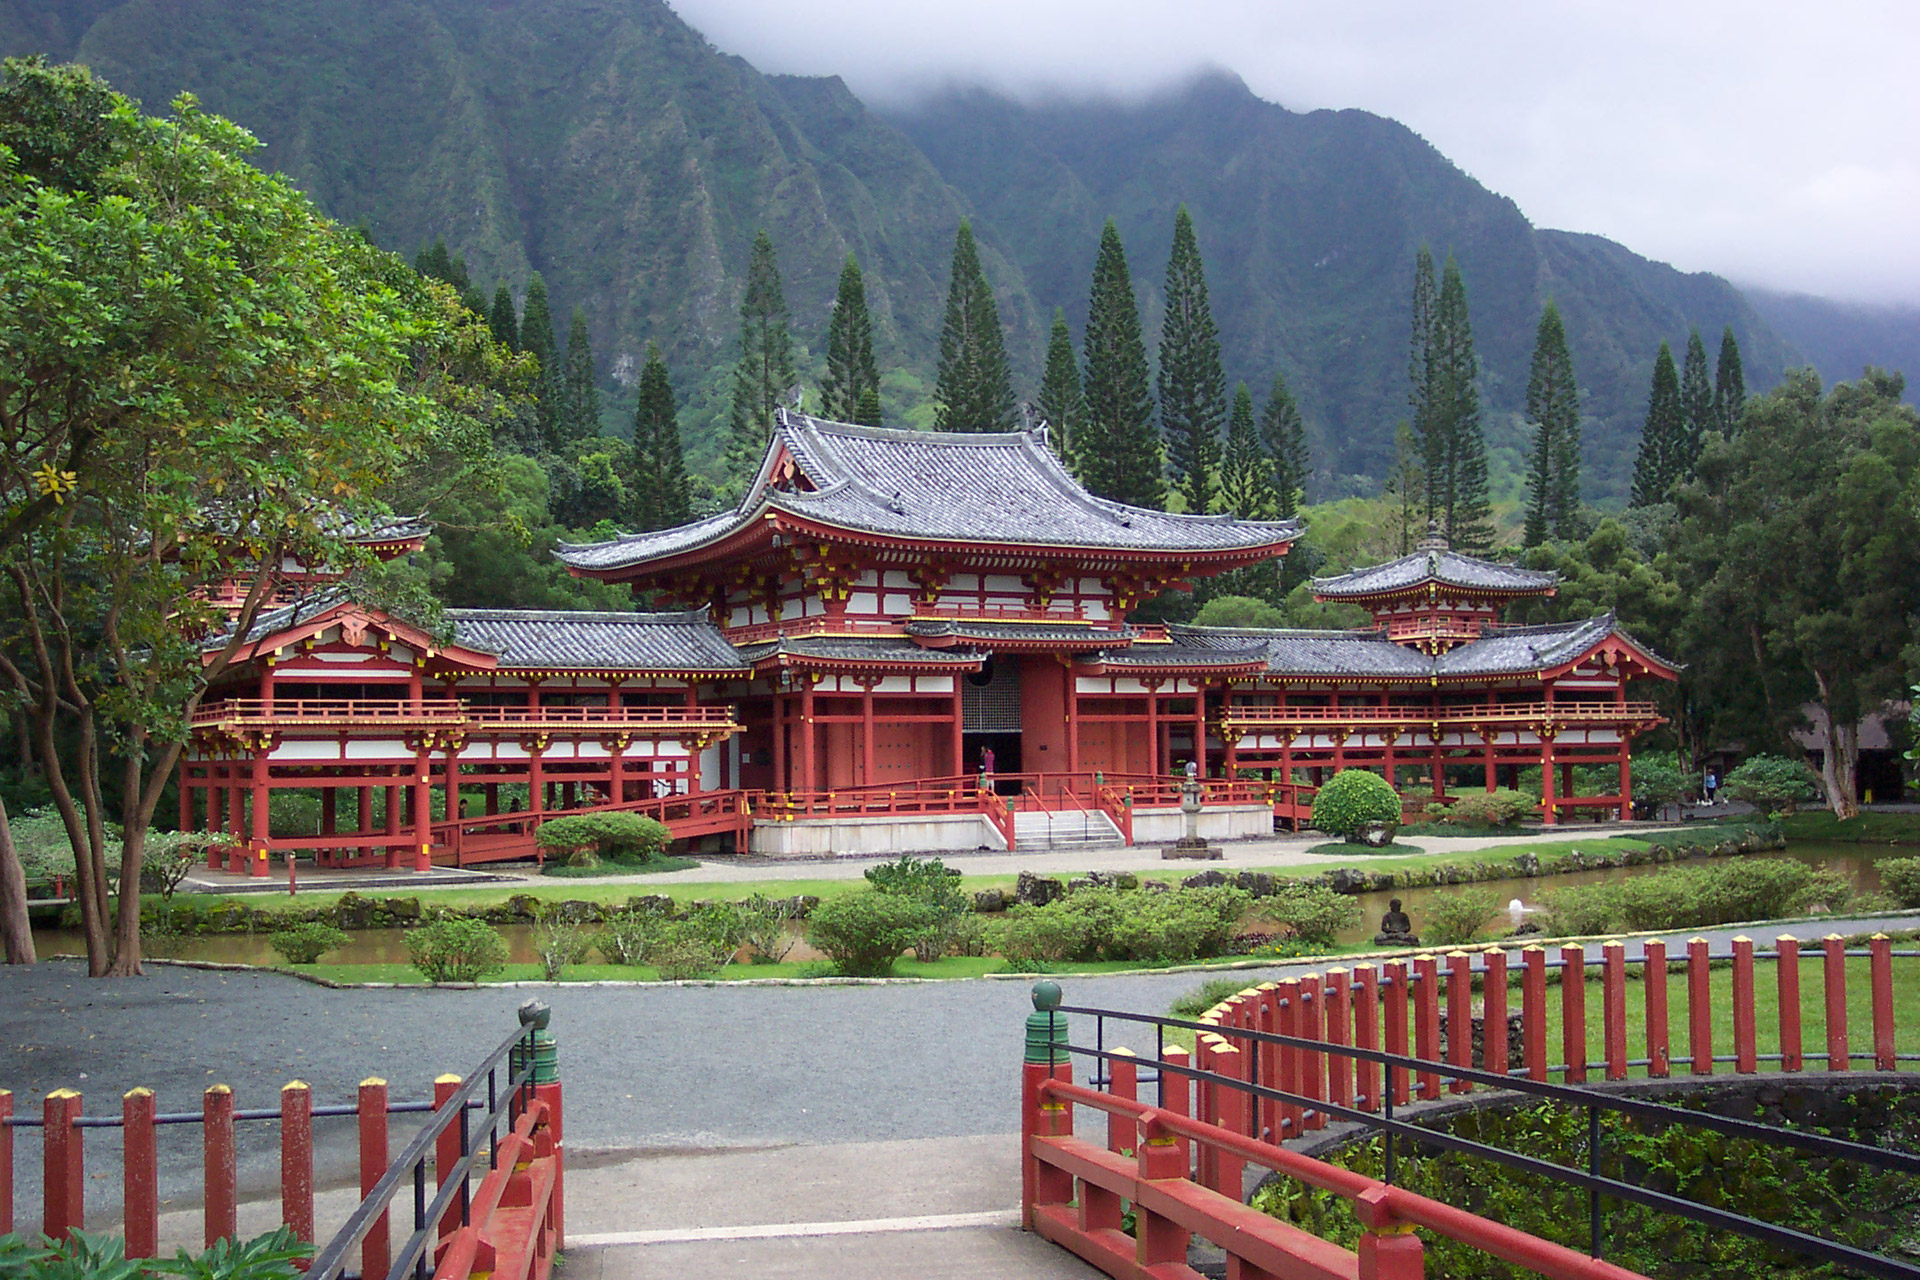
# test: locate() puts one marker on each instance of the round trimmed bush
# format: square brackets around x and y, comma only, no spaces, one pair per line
[306,943]
[1354,799]
[865,931]
[455,949]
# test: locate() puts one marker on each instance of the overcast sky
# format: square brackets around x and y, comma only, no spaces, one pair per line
[1775,143]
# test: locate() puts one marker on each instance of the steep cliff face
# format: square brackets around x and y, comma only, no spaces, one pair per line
[608,145]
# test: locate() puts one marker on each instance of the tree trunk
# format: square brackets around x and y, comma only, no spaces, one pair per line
[1840,768]
[16,930]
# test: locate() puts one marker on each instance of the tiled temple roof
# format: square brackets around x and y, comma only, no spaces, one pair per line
[595,640]
[989,630]
[1438,565]
[997,489]
[1501,651]
[878,649]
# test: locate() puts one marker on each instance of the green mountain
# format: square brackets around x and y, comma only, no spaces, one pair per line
[610,146]
[1841,338]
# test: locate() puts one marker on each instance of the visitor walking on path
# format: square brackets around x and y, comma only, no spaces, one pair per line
[1710,784]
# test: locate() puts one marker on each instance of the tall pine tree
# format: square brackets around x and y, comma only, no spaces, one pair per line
[1406,484]
[1729,386]
[502,320]
[1283,434]
[657,485]
[1553,407]
[1061,402]
[1662,439]
[851,389]
[1696,401]
[765,372]
[579,417]
[1119,451]
[536,338]
[1246,478]
[1192,389]
[1456,452]
[973,389]
[1420,366]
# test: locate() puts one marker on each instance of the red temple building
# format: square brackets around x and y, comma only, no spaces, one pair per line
[884,618]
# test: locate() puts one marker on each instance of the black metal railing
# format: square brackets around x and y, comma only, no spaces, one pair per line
[508,1080]
[1398,1068]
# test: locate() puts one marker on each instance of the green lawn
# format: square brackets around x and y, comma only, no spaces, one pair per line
[1865,828]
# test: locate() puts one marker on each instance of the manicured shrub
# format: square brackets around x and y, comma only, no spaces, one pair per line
[1901,876]
[624,937]
[306,943]
[1737,890]
[864,932]
[457,950]
[1577,910]
[559,943]
[1352,799]
[1311,913]
[1457,917]
[583,837]
[1034,937]
[929,882]
[764,927]
[1115,924]
[1501,808]
[1773,784]
[1658,784]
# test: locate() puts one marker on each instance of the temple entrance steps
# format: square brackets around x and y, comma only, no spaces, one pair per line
[1065,829]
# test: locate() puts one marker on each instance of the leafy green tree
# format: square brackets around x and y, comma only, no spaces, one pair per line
[1799,547]
[580,409]
[853,379]
[1120,455]
[1729,385]
[536,339]
[657,483]
[491,548]
[1696,401]
[1247,612]
[973,389]
[1246,477]
[1192,389]
[1658,464]
[1284,436]
[1553,406]
[590,491]
[765,373]
[1449,405]
[1061,403]
[209,380]
[1406,484]
[502,320]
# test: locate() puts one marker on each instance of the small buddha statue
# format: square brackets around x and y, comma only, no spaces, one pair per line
[1396,928]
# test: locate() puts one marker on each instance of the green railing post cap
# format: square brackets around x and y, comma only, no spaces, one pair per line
[1046,1026]
[535,1014]
[1046,994]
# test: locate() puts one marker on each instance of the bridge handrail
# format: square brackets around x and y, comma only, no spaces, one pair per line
[1256,714]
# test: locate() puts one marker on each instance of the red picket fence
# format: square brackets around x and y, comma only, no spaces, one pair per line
[509,1226]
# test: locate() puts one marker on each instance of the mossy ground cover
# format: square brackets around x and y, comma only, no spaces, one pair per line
[1348,849]
[1864,828]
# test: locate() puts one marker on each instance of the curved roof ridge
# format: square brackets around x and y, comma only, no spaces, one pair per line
[622,616]
[1547,628]
[1434,564]
[1283,633]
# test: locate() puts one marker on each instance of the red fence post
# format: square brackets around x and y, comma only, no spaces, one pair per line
[1533,1011]
[1176,1095]
[1388,1249]
[1653,976]
[1123,1081]
[1229,1170]
[1313,1062]
[217,1142]
[1366,1032]
[1340,1034]
[1835,981]
[6,1162]
[296,1158]
[1396,1028]
[550,1093]
[139,1174]
[1746,1049]
[1613,1008]
[1699,1014]
[1787,975]
[1493,1009]
[1881,974]
[446,1148]
[63,1162]
[375,1251]
[1459,1017]
[1287,1014]
[1426,1022]
[1573,1012]
[1159,1241]
[1269,1020]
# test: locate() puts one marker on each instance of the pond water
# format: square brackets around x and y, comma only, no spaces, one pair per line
[389,946]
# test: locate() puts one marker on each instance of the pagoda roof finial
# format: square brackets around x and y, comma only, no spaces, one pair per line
[1436,539]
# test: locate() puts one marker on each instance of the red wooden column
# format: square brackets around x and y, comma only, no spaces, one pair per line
[1548,815]
[780,736]
[222,1203]
[1493,779]
[1613,1008]
[423,812]
[617,768]
[375,1247]
[1745,1033]
[1626,779]
[959,728]
[63,1204]
[1699,1015]
[257,850]
[393,827]
[1880,981]
[866,732]
[296,1158]
[1388,737]
[1787,976]
[1834,949]
[140,1174]
[1073,718]
[1573,1012]
[1153,728]
[809,778]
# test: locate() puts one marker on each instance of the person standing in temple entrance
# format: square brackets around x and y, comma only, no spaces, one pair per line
[986,762]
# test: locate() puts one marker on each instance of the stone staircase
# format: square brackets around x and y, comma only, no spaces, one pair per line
[1065,830]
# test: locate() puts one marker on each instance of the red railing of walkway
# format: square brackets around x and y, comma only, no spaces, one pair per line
[497,837]
[1282,1059]
[454,712]
[1243,715]
[509,1226]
